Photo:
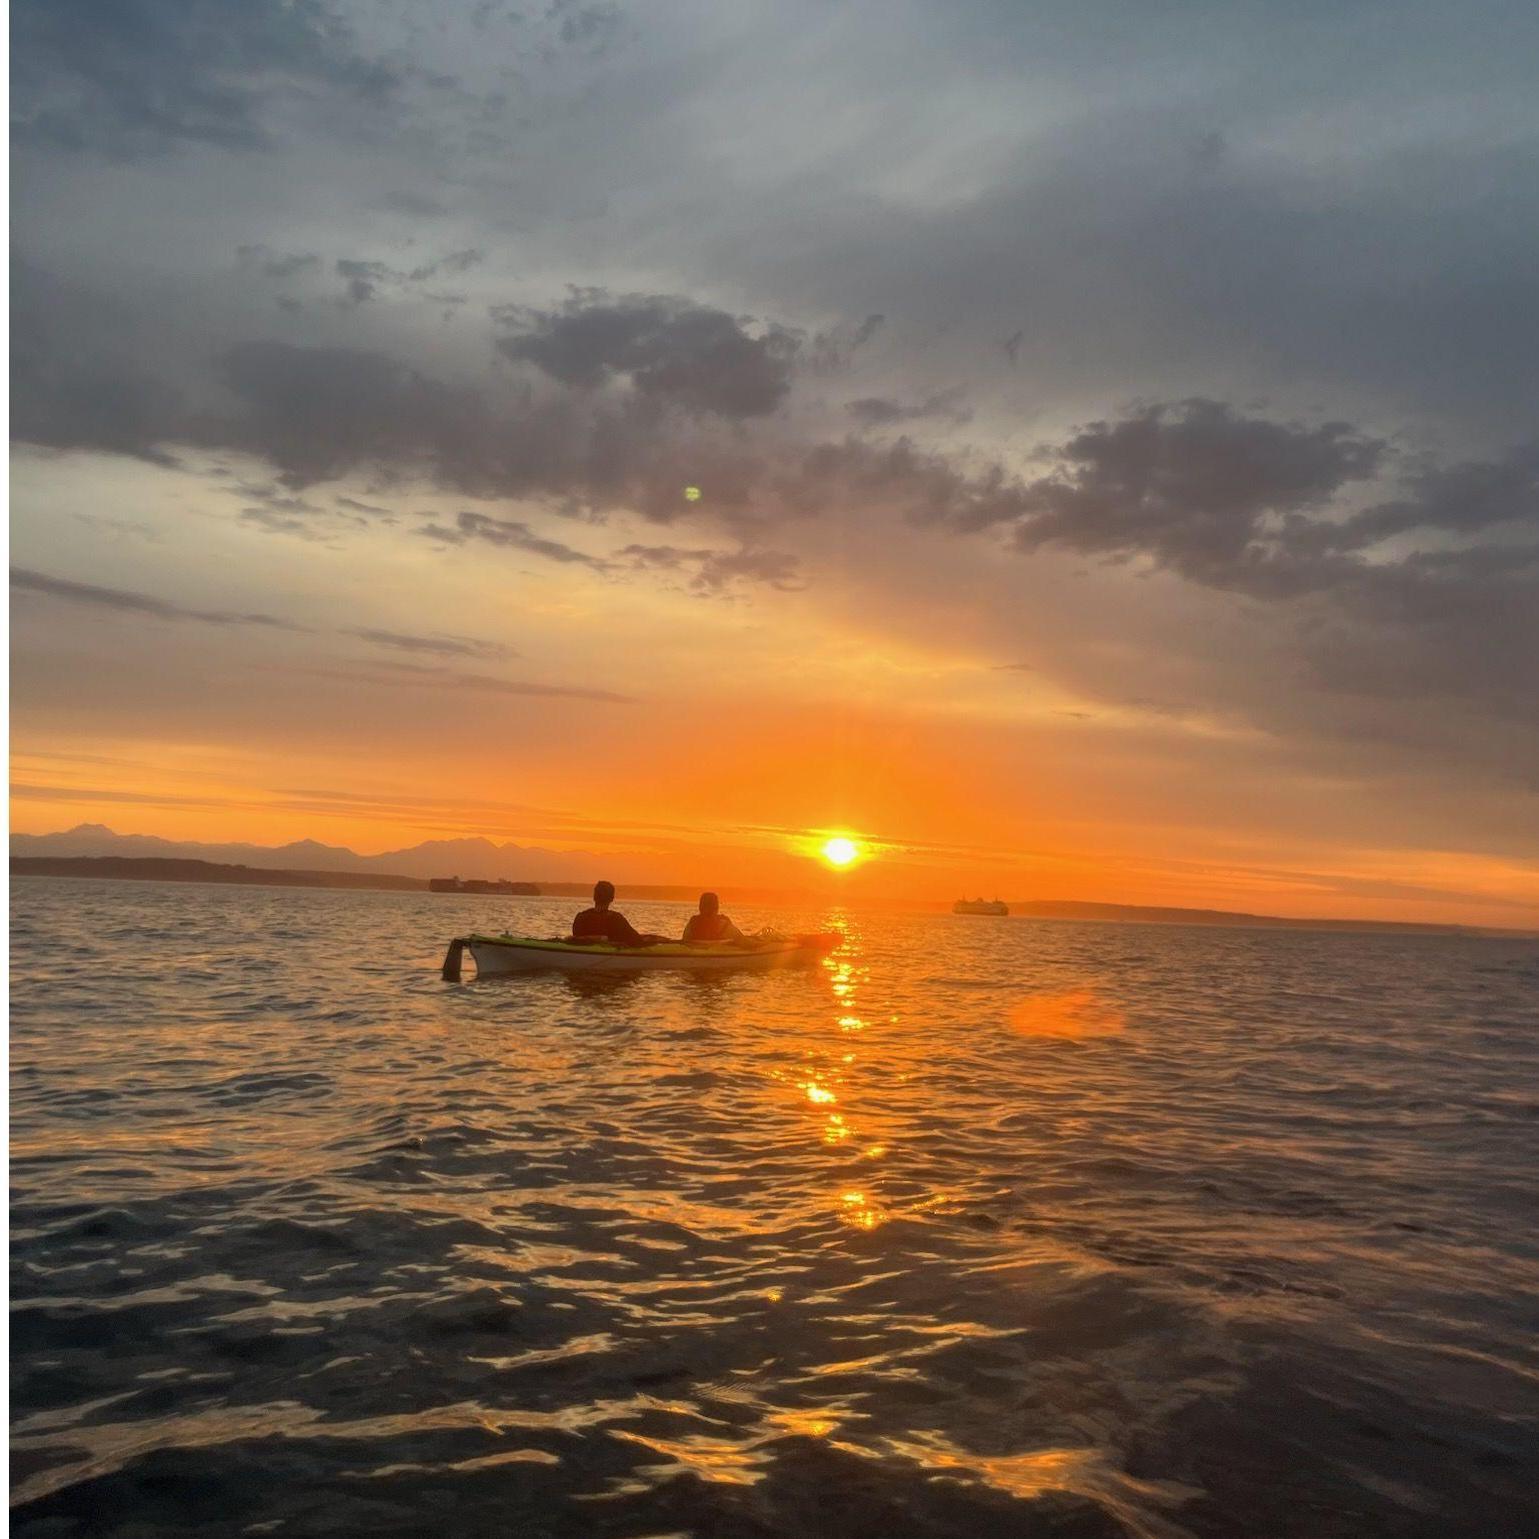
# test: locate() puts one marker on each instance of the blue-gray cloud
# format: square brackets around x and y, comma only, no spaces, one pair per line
[687,354]
[507,534]
[433,646]
[127,602]
[126,78]
[715,571]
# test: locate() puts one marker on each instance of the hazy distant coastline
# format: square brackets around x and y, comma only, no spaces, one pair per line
[156,869]
[129,869]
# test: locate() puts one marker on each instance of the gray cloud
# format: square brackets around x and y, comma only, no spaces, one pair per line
[76,376]
[437,646]
[316,412]
[508,534]
[1193,487]
[126,78]
[127,602]
[701,359]
[278,265]
[416,205]
[370,510]
[1229,499]
[277,510]
[272,521]
[707,570]
[879,412]
[362,278]
[832,351]
[456,262]
[365,278]
[1463,499]
[714,571]
[480,683]
[588,26]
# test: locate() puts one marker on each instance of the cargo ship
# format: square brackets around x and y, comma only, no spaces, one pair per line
[497,889]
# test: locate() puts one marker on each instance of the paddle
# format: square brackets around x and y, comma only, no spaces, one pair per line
[452,960]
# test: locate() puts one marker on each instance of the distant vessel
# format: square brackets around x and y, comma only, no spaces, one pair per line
[979,906]
[500,889]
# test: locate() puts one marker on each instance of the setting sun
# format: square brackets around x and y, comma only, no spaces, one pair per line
[840,852]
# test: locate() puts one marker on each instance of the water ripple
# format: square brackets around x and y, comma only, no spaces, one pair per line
[1004,1228]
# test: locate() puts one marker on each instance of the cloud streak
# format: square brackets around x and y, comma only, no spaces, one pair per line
[124,601]
[486,684]
[435,646]
[508,534]
[714,571]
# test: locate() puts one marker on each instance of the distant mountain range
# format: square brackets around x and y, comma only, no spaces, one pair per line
[306,862]
[477,858]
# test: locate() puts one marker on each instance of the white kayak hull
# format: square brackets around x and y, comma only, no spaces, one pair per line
[496,954]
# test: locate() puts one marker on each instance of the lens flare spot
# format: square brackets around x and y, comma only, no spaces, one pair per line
[1074,1013]
[692,494]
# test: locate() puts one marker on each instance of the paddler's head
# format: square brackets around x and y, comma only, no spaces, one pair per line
[603,894]
[709,903]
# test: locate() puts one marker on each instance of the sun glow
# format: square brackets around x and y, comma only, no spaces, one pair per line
[840,851]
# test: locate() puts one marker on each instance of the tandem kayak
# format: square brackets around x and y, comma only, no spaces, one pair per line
[525,953]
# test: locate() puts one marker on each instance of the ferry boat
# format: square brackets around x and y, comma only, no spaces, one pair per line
[980,906]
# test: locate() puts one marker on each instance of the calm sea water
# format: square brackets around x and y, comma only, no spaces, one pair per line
[985,1228]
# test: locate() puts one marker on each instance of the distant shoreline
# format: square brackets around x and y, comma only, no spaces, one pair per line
[153,869]
[129,868]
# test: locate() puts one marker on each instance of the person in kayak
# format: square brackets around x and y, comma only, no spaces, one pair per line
[710,924]
[602,923]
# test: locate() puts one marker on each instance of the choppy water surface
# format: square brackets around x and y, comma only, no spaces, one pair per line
[985,1228]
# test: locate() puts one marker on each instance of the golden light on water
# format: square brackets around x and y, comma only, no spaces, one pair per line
[840,851]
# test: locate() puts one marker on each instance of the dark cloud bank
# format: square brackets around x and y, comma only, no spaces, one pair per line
[613,404]
[128,78]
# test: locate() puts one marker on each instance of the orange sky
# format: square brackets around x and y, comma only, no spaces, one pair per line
[1084,459]
[747,724]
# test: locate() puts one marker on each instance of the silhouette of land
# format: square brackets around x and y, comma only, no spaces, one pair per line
[152,869]
[128,868]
